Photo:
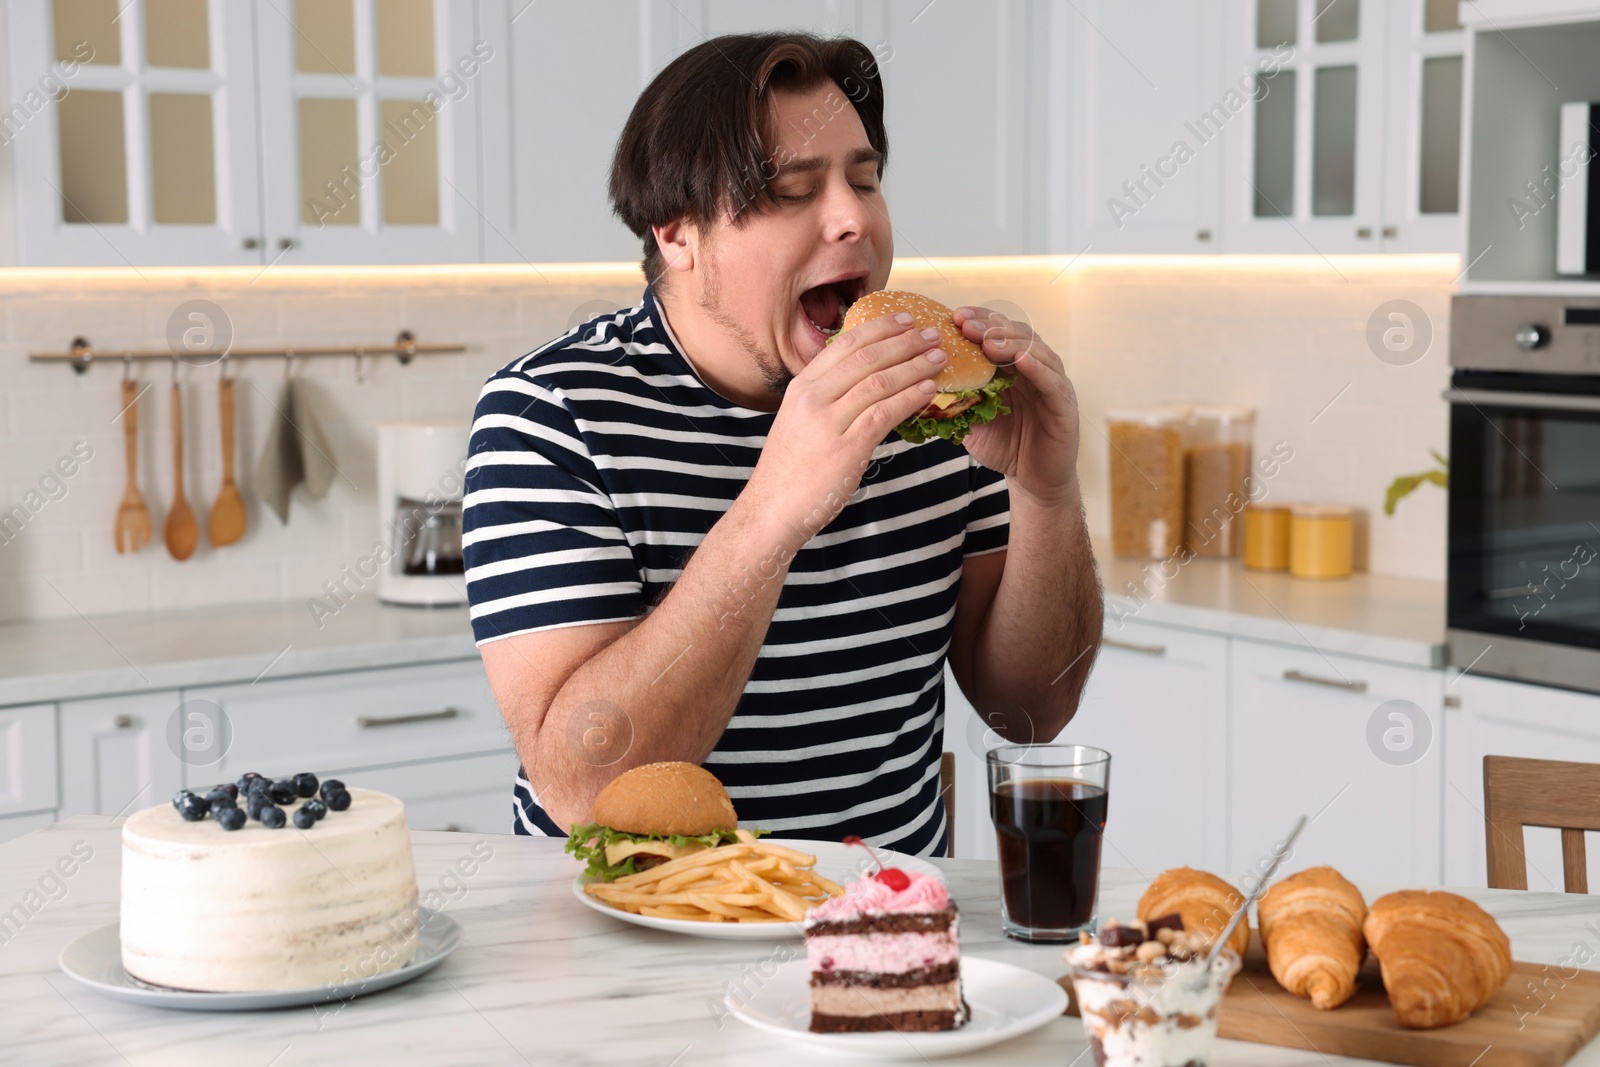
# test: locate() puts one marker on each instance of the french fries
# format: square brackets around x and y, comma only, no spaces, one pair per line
[748,882]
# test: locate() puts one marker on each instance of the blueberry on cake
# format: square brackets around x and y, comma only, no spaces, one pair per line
[886,956]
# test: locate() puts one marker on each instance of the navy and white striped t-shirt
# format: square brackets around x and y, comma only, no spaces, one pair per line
[598,463]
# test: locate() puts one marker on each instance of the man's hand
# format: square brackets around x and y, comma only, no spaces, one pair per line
[1036,446]
[835,412]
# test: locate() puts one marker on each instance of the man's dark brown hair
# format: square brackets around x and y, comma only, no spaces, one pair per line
[697,145]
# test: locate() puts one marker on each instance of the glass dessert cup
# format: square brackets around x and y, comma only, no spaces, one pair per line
[1159,1015]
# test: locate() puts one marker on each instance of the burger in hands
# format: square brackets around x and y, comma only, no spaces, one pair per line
[968,387]
[653,814]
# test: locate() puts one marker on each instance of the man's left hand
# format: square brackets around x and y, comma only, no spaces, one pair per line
[1036,445]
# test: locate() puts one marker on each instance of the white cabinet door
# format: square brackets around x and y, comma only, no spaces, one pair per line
[116,756]
[1499,718]
[150,156]
[1304,166]
[369,131]
[1157,701]
[1351,743]
[472,795]
[966,738]
[27,758]
[965,119]
[1141,100]
[1423,126]
[353,719]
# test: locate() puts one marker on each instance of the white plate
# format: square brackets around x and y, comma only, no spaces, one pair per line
[840,862]
[95,959]
[1006,1002]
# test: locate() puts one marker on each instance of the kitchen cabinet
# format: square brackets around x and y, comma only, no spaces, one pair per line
[1487,716]
[1352,143]
[360,146]
[27,758]
[1157,700]
[352,720]
[1144,155]
[1354,744]
[472,794]
[118,754]
[150,157]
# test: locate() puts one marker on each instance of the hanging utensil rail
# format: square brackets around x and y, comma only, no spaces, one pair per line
[405,348]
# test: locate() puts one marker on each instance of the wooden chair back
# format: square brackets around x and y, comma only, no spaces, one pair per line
[947,789]
[1538,792]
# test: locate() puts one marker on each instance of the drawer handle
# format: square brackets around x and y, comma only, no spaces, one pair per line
[1133,646]
[123,722]
[367,722]
[1332,683]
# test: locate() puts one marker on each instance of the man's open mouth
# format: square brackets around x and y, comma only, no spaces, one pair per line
[823,306]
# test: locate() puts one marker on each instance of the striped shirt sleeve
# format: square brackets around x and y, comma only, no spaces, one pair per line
[542,541]
[988,511]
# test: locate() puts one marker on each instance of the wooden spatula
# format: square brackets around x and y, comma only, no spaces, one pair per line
[183,533]
[227,514]
[133,527]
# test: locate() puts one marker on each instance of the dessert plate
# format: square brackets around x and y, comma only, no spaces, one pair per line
[95,959]
[1006,1002]
[835,860]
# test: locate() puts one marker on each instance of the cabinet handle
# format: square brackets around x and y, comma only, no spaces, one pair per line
[123,722]
[286,243]
[1333,683]
[1202,235]
[1131,646]
[367,722]
[250,244]
[1391,231]
[451,828]
[1364,232]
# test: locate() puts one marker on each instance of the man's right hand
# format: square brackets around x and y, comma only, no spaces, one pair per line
[836,411]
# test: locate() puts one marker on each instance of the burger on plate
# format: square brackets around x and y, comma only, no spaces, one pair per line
[968,387]
[653,814]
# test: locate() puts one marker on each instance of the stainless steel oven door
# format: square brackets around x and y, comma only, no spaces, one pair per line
[1524,540]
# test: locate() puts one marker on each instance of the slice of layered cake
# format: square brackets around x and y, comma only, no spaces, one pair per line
[886,956]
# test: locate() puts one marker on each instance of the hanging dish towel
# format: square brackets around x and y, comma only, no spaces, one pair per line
[297,453]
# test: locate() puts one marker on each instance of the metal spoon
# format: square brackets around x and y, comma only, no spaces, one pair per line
[1244,909]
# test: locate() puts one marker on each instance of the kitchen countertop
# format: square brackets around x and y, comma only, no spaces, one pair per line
[540,979]
[1398,620]
[1392,619]
[64,659]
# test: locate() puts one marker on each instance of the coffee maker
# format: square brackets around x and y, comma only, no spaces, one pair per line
[421,481]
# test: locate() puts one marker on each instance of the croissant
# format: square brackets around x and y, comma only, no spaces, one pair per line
[1442,956]
[1311,925]
[1205,902]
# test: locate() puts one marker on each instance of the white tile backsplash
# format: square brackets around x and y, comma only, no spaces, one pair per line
[1285,339]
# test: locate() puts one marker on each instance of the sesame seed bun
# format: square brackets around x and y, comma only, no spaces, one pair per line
[665,798]
[968,367]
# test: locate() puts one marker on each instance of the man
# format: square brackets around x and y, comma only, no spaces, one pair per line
[691,533]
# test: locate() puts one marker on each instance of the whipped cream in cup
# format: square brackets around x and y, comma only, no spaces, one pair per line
[1159,1013]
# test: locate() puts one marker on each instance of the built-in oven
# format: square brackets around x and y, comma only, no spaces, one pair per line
[1524,542]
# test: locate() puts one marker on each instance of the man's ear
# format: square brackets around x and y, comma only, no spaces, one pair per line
[678,241]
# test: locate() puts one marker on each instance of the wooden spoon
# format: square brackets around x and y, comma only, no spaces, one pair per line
[227,514]
[183,533]
[133,517]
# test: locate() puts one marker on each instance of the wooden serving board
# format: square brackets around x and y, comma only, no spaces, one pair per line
[1541,1017]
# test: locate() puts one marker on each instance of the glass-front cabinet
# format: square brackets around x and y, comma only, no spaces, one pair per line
[139,138]
[1351,139]
[133,132]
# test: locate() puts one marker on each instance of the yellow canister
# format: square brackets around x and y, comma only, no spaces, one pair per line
[1266,537]
[1321,540]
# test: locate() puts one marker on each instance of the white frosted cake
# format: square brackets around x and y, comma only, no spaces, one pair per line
[257,908]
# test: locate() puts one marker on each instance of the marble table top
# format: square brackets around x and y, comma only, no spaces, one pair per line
[539,978]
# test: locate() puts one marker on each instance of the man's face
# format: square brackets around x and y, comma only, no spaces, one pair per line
[770,282]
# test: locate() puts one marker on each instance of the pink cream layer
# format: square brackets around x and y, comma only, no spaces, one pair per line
[865,895]
[880,953]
